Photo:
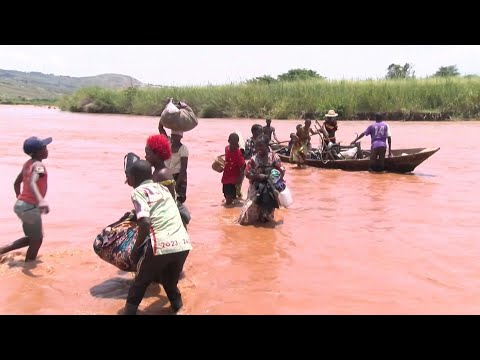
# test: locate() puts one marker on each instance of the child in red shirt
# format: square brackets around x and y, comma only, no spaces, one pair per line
[31,202]
[233,169]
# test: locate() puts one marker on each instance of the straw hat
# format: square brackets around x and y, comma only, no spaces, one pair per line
[331,113]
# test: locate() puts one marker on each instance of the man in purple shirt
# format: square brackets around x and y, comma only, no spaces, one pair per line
[379,133]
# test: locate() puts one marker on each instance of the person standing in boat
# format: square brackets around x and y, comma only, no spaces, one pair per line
[380,134]
[331,126]
[269,130]
[300,143]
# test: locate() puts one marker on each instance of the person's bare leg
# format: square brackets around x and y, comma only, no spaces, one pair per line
[17,244]
[32,251]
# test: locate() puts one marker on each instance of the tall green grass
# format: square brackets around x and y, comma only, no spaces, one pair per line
[19,100]
[459,97]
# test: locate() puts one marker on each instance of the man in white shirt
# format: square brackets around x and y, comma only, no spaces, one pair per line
[162,244]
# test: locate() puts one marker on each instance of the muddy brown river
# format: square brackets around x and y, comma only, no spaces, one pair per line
[352,243]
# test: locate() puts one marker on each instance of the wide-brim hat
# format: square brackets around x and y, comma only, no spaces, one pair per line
[331,113]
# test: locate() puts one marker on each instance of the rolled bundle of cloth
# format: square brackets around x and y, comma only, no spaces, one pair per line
[178,117]
[115,243]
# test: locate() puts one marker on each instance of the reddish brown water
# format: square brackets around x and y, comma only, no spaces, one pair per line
[352,243]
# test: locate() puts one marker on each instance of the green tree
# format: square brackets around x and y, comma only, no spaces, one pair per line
[395,71]
[265,79]
[447,71]
[299,74]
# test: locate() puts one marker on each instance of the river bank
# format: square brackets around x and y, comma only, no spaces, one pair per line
[405,99]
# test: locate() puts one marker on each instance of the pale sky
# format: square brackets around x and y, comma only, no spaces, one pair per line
[220,64]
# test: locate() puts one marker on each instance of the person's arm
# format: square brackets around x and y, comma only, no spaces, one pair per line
[255,177]
[389,140]
[242,174]
[241,164]
[142,210]
[38,170]
[274,135]
[366,132]
[143,230]
[161,130]
[183,163]
[183,168]
[250,173]
[357,138]
[324,131]
[16,184]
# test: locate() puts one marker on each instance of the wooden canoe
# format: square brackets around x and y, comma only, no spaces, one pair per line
[403,160]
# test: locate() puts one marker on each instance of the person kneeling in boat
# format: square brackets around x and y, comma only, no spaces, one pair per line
[380,134]
[261,200]
[162,243]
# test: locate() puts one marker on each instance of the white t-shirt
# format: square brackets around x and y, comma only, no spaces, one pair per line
[174,162]
[167,233]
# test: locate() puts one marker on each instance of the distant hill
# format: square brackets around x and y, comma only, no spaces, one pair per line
[36,85]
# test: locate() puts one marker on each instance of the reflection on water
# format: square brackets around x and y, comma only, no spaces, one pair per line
[352,242]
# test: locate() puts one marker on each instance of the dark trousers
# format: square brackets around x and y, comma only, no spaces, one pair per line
[377,159]
[165,269]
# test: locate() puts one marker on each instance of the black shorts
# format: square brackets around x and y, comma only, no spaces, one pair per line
[229,190]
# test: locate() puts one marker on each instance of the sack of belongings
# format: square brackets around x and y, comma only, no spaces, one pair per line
[115,243]
[178,117]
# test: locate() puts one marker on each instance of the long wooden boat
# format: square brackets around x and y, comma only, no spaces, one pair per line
[403,160]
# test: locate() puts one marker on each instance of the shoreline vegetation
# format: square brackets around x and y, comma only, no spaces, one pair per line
[399,99]
[25,101]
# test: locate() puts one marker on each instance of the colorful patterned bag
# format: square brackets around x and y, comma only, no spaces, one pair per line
[115,243]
